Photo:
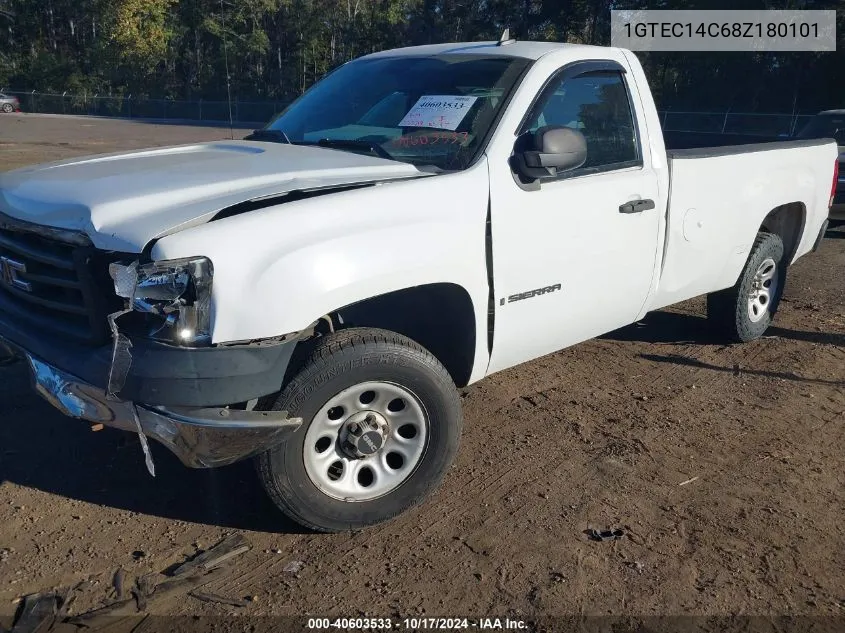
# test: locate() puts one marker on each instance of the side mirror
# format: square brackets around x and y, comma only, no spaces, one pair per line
[549,151]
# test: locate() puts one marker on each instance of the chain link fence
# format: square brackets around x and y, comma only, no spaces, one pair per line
[745,123]
[259,112]
[243,112]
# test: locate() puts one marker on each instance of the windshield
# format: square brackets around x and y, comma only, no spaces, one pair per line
[825,126]
[423,110]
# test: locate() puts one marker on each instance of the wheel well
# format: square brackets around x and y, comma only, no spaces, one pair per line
[440,317]
[786,221]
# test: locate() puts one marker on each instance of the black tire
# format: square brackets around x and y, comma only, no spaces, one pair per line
[7,108]
[340,361]
[728,309]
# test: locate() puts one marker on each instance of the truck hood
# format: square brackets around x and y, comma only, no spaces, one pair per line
[122,201]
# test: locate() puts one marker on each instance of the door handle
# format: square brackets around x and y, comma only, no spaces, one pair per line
[637,206]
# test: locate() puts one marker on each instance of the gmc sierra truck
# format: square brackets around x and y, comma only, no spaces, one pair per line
[311,296]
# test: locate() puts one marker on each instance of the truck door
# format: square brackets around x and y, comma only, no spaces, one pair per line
[574,255]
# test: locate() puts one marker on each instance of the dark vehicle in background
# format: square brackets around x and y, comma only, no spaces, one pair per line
[9,103]
[831,124]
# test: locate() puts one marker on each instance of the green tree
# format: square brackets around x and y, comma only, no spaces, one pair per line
[275,49]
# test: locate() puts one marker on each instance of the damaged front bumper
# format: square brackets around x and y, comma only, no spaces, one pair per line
[203,437]
[191,399]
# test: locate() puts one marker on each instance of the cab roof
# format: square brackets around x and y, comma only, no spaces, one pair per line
[511,48]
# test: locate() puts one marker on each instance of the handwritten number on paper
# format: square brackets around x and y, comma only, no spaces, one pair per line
[436,138]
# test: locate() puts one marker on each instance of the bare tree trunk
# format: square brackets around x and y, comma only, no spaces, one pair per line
[599,7]
[526,15]
[197,54]
[428,17]
[663,70]
[52,29]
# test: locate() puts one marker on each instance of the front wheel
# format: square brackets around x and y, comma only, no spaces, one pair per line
[381,426]
[7,108]
[745,311]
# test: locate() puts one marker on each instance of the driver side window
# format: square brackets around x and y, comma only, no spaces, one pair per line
[596,104]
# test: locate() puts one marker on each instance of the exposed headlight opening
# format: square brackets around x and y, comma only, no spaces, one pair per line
[171,297]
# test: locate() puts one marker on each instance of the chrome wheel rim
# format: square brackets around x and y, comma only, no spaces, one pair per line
[763,288]
[343,464]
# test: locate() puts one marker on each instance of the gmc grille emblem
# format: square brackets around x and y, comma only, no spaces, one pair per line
[9,271]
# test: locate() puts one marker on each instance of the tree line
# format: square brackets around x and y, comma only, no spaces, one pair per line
[275,49]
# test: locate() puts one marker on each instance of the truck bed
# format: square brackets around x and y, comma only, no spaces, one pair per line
[720,196]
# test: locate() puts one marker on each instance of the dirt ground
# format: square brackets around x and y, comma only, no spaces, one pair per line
[723,464]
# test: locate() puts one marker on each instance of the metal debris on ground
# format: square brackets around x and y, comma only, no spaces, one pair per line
[213,597]
[131,606]
[229,547]
[157,587]
[64,598]
[604,535]
[40,611]
[84,585]
[119,582]
[144,587]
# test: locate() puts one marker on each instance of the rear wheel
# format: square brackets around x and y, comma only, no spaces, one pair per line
[7,107]
[381,425]
[745,311]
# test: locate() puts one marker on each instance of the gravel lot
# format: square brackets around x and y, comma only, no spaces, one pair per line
[605,434]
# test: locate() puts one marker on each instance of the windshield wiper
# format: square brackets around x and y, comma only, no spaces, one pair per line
[351,144]
[268,135]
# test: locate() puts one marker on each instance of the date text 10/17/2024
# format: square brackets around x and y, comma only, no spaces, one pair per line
[417,623]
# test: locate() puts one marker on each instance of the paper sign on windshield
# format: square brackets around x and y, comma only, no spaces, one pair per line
[444,112]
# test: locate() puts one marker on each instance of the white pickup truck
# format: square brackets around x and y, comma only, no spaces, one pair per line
[312,295]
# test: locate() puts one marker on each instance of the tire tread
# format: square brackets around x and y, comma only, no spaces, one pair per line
[726,308]
[319,358]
